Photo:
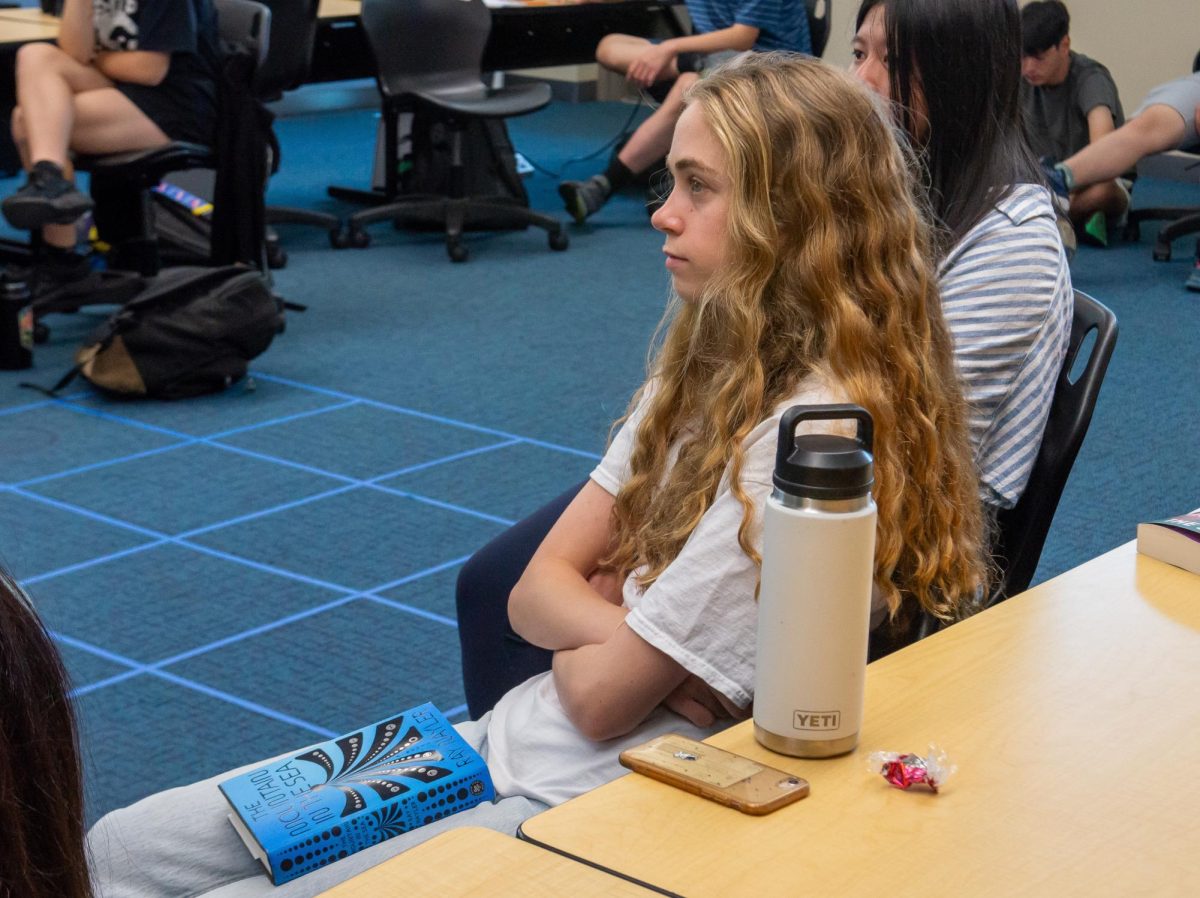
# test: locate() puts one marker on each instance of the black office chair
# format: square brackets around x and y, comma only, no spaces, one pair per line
[117,176]
[428,56]
[1182,221]
[293,35]
[1021,530]
[818,24]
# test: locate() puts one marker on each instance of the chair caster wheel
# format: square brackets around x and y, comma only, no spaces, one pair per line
[457,252]
[559,241]
[41,333]
[339,239]
[1162,253]
[277,257]
[359,239]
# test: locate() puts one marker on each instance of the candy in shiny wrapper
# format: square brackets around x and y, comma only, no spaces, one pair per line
[906,770]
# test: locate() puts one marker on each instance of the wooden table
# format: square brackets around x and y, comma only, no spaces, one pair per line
[482,862]
[23,26]
[1073,712]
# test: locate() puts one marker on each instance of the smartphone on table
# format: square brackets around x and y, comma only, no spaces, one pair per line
[715,774]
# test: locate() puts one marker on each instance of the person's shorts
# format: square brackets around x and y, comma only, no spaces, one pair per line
[1182,95]
[183,105]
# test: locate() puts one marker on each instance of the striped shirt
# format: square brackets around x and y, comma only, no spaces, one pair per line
[1007,298]
[781,24]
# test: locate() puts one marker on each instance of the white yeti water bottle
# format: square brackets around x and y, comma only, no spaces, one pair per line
[814,604]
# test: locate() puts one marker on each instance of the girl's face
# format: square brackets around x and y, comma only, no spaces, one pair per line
[869,47]
[870,66]
[695,216]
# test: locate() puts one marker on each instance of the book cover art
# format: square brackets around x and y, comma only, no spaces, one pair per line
[333,799]
[1187,522]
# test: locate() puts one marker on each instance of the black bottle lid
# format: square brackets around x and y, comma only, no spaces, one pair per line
[821,465]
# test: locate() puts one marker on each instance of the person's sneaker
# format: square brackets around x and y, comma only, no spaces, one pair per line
[1193,281]
[46,198]
[582,198]
[1094,231]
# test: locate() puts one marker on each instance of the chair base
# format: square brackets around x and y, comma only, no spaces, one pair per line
[454,215]
[276,255]
[1182,221]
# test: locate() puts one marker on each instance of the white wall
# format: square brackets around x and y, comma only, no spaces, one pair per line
[1143,42]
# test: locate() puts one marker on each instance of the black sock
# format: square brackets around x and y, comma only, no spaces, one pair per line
[47,166]
[618,173]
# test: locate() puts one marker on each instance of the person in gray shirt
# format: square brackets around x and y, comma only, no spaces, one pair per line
[1069,101]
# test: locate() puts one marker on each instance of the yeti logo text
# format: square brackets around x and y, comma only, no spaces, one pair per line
[817,720]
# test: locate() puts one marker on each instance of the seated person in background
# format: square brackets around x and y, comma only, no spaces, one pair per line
[722,27]
[956,93]
[1168,119]
[644,589]
[1069,101]
[41,783]
[952,71]
[121,77]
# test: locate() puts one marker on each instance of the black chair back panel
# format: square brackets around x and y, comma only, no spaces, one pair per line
[426,43]
[1021,530]
[293,37]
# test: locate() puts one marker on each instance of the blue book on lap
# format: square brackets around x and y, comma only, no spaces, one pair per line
[298,813]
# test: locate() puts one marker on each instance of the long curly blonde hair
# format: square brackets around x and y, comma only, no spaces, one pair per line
[829,268]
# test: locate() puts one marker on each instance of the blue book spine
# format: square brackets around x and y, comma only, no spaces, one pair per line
[333,799]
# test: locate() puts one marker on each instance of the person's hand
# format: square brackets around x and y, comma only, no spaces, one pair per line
[651,66]
[700,704]
[608,584]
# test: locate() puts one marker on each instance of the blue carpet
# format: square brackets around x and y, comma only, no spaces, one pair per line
[238,575]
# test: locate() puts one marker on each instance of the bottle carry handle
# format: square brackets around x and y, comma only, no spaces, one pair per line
[798,414]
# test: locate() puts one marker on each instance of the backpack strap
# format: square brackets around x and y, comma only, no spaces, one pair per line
[114,326]
[53,391]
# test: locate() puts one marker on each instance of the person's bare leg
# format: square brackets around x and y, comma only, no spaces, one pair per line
[47,82]
[645,146]
[651,141]
[103,121]
[1154,130]
[1104,197]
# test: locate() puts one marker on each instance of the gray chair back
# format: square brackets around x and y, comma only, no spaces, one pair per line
[245,22]
[293,35]
[419,44]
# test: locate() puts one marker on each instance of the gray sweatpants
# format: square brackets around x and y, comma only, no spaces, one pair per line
[180,843]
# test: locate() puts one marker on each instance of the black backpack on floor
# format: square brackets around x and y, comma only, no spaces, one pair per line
[191,331]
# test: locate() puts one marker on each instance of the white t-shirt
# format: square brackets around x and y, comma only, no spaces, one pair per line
[701,611]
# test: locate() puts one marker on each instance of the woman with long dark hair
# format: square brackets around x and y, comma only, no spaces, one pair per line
[952,69]
[41,786]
